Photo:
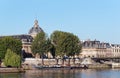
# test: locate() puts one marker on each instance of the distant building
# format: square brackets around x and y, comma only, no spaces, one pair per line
[95,49]
[115,48]
[35,29]
[28,38]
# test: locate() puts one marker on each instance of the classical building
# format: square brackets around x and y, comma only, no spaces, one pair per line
[95,49]
[115,48]
[28,38]
[35,29]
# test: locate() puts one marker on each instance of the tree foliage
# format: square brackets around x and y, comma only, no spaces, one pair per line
[41,44]
[38,45]
[12,59]
[9,43]
[65,43]
[50,47]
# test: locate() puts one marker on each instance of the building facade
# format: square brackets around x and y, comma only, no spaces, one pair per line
[115,48]
[95,49]
[27,39]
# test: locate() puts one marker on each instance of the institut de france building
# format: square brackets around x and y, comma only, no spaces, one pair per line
[28,38]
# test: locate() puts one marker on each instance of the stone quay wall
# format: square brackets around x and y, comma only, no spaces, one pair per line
[29,62]
[36,61]
[11,70]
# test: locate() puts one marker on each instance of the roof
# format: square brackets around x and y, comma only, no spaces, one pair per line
[35,29]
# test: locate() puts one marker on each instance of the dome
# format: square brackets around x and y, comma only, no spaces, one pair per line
[35,29]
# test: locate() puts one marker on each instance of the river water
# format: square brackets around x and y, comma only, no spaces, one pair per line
[65,73]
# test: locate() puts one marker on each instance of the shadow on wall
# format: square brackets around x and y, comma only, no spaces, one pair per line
[26,54]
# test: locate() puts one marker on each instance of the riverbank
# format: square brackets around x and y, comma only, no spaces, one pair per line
[98,66]
[76,66]
[22,70]
[11,70]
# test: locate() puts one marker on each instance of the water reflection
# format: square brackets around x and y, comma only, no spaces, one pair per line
[54,73]
[11,75]
[65,73]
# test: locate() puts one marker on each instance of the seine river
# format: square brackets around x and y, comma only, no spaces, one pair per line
[65,73]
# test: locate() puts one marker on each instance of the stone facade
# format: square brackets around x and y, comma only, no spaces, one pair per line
[95,49]
[115,48]
[28,38]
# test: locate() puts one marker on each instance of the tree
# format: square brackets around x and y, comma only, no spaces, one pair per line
[49,47]
[57,39]
[10,43]
[66,44]
[38,45]
[12,59]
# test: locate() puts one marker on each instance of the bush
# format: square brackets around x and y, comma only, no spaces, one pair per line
[12,59]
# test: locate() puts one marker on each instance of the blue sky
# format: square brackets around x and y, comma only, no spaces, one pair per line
[88,19]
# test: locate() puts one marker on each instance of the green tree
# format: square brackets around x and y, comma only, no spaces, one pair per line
[49,47]
[12,59]
[57,39]
[38,45]
[9,43]
[66,44]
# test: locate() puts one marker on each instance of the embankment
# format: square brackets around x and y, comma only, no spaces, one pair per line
[11,70]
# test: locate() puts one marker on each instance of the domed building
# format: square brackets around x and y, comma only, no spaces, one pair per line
[27,39]
[31,35]
[35,29]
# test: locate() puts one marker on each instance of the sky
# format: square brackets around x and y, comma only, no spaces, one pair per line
[88,19]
